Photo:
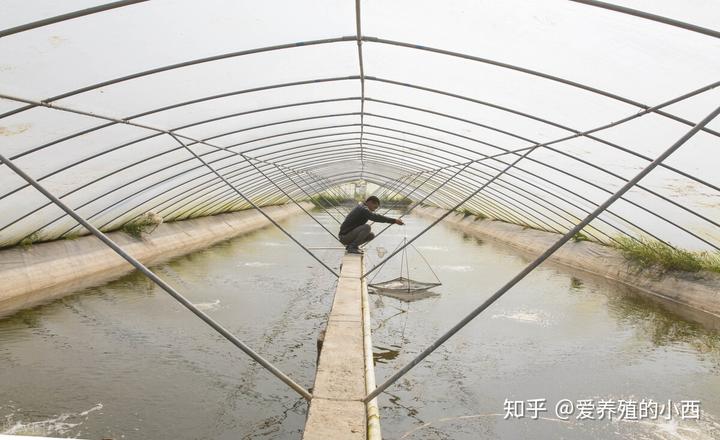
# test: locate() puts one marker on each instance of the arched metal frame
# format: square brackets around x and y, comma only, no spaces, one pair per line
[175,149]
[205,141]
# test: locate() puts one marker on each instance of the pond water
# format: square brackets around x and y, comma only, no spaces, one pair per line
[125,361]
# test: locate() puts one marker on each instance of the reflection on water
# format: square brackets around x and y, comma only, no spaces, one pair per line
[384,354]
[126,361]
[405,296]
[664,329]
[471,238]
[576,283]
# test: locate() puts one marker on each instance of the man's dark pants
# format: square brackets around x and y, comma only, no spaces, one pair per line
[357,236]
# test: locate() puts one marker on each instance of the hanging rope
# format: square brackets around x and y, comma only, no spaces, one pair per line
[383,264]
[437,279]
[404,283]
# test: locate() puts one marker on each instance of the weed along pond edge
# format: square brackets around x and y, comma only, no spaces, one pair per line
[44,271]
[698,291]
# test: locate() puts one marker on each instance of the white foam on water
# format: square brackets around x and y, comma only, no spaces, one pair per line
[61,424]
[208,305]
[433,248]
[673,429]
[456,268]
[273,244]
[523,316]
[257,264]
[662,427]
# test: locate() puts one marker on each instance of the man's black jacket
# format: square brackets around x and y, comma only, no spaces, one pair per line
[359,216]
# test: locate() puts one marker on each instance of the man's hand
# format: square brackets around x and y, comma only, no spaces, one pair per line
[399,221]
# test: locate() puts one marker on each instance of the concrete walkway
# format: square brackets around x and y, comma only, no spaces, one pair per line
[337,411]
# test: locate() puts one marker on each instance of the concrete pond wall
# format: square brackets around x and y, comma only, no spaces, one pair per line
[697,292]
[50,270]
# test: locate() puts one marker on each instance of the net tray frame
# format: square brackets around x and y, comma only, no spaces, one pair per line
[408,285]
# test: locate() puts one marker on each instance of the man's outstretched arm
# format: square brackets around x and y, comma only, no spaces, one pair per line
[382,219]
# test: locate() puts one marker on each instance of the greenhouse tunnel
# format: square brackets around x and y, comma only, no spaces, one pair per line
[577,121]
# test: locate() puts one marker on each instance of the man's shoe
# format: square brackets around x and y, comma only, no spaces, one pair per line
[353,250]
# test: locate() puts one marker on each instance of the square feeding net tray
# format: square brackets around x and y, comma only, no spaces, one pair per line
[402,284]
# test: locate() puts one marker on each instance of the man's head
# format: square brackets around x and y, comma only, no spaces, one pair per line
[372,203]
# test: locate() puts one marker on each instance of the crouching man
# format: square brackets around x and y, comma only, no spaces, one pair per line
[354,231]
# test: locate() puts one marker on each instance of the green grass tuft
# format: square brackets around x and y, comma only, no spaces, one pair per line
[651,253]
[478,215]
[324,200]
[134,229]
[146,223]
[580,237]
[396,201]
[28,241]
